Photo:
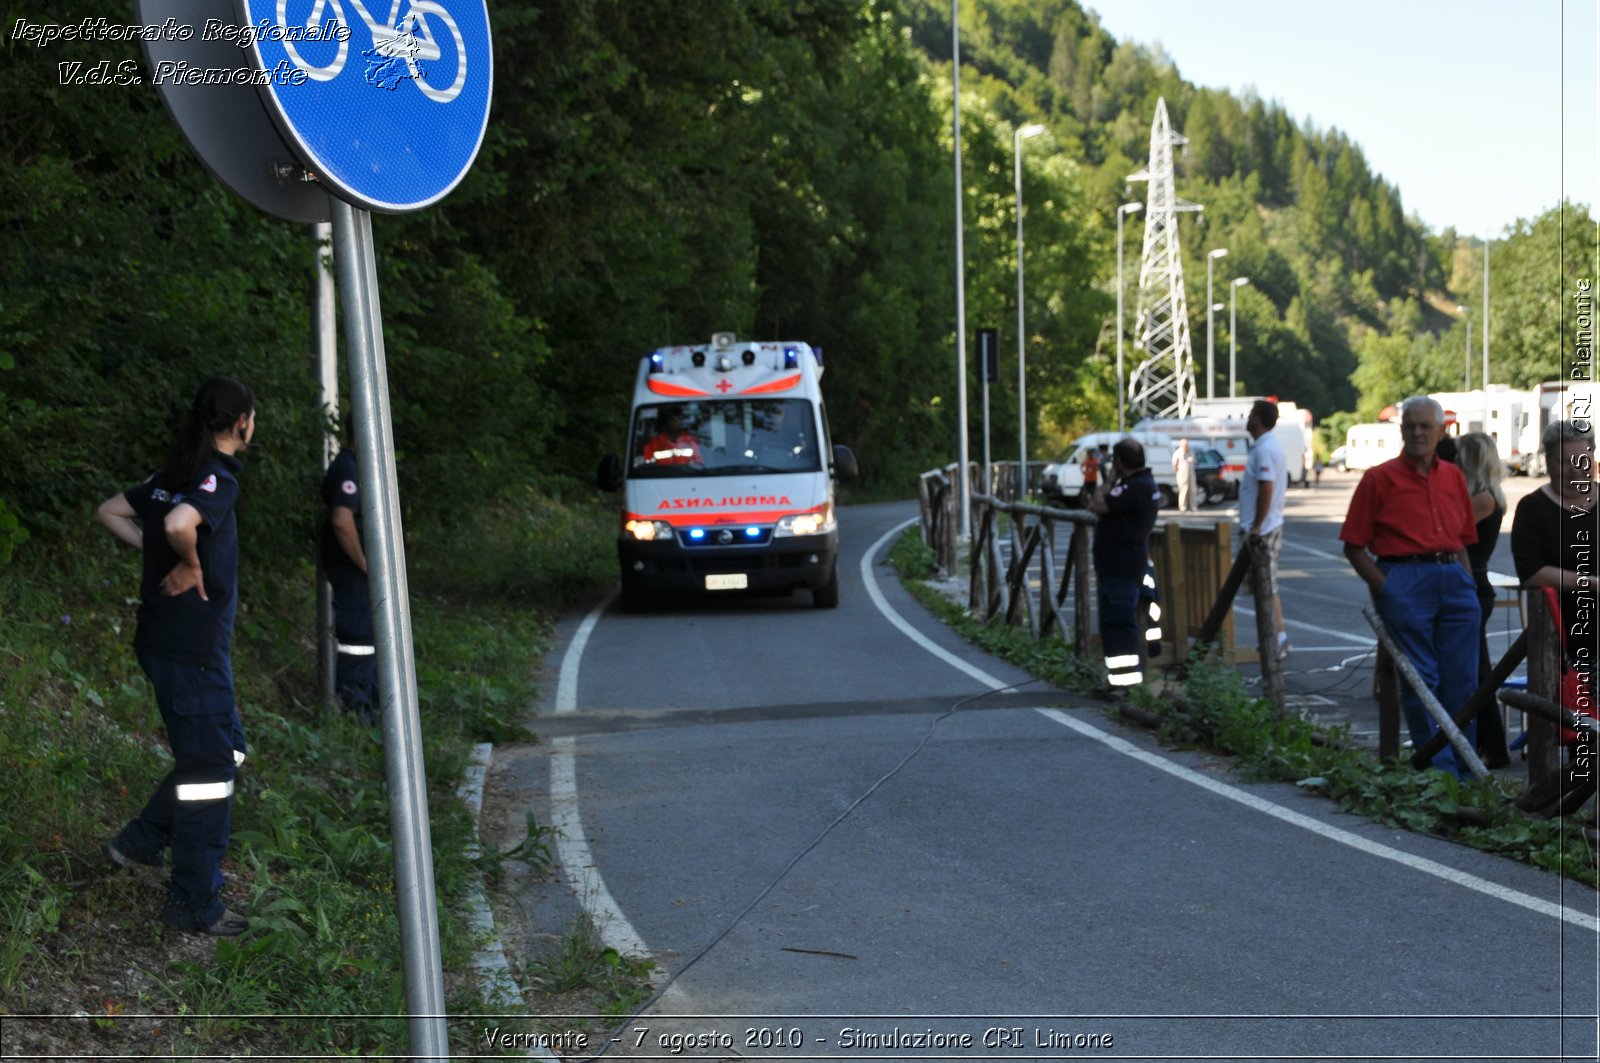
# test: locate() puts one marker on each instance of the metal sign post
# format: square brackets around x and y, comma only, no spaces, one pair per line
[388,116]
[391,626]
[325,340]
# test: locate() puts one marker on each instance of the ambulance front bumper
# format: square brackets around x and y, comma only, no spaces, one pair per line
[779,565]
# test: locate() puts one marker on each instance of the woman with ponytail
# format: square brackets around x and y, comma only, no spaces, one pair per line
[181,518]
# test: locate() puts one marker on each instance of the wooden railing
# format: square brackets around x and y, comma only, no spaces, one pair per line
[995,589]
[1191,558]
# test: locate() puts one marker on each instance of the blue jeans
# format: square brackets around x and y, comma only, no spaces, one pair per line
[1432,611]
[191,810]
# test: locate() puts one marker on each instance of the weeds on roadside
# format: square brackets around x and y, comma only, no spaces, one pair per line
[582,961]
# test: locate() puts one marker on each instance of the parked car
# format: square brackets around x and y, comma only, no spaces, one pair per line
[1210,473]
[1336,459]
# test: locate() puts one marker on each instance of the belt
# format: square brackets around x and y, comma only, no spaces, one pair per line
[1440,558]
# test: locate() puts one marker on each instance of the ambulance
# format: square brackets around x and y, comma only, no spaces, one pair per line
[728,478]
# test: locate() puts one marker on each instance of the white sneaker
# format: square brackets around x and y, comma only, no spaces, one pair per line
[1284,649]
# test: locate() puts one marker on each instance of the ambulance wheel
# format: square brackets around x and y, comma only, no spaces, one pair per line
[827,595]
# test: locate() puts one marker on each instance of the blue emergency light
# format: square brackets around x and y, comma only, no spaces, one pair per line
[752,533]
[697,533]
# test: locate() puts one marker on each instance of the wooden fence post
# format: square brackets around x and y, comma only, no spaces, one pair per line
[1386,681]
[1266,627]
[1544,679]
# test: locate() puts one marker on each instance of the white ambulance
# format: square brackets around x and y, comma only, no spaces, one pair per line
[729,473]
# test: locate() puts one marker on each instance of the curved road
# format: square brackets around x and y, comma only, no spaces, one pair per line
[844,834]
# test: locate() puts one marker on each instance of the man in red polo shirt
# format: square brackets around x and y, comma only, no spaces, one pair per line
[1414,516]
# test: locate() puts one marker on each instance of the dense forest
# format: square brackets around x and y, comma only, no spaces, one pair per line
[654,172]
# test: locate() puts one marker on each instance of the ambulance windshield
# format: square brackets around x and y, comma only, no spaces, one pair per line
[723,438]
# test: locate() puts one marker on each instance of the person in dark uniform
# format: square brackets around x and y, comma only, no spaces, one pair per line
[1127,503]
[182,520]
[344,562]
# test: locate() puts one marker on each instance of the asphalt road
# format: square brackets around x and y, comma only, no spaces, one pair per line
[846,834]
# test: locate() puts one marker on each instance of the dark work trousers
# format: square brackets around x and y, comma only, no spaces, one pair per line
[191,810]
[1432,612]
[356,672]
[1491,726]
[1121,630]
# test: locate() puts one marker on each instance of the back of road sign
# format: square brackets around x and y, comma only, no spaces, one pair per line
[387,106]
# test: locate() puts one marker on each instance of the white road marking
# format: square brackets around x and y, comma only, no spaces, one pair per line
[1577,918]
[572,845]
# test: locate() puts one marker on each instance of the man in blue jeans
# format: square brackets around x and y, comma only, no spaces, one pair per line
[1127,501]
[1406,534]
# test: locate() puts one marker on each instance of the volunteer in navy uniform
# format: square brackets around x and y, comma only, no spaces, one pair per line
[344,562]
[1127,503]
[182,520]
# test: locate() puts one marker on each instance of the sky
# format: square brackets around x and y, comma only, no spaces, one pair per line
[1480,111]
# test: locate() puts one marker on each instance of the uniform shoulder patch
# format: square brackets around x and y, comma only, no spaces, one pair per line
[348,487]
[1115,491]
[209,484]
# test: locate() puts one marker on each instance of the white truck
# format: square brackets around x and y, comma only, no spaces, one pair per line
[1062,482]
[1293,430]
[729,475]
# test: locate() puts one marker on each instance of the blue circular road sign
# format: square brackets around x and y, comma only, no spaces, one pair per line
[386,104]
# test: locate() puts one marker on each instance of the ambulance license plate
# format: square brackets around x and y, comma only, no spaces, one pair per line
[734,581]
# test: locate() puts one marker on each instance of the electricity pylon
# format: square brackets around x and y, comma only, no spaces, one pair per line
[1163,384]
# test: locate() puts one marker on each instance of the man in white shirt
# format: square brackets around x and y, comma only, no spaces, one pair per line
[1261,498]
[1183,472]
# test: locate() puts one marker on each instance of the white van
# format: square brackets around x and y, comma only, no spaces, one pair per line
[1366,445]
[1062,482]
[728,480]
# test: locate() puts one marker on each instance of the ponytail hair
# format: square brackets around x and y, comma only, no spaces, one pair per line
[218,405]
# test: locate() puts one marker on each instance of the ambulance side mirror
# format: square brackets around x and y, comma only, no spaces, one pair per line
[845,468]
[608,477]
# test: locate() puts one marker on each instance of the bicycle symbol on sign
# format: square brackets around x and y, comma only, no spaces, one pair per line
[396,45]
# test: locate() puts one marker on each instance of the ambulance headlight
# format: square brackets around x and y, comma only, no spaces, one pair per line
[817,522]
[648,530]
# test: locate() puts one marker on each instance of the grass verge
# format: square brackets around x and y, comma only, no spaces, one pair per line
[85,969]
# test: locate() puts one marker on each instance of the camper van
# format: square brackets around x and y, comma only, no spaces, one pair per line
[729,473]
[1366,445]
[1555,400]
[1500,412]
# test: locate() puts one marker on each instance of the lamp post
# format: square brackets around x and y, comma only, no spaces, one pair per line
[1022,354]
[1122,390]
[1211,357]
[1466,352]
[1486,333]
[1233,336]
[964,493]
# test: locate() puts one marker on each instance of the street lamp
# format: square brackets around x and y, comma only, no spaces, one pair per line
[1122,391]
[1233,333]
[1466,353]
[1022,356]
[1211,358]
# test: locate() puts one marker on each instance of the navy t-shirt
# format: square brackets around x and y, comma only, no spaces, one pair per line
[1122,537]
[188,628]
[341,489]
